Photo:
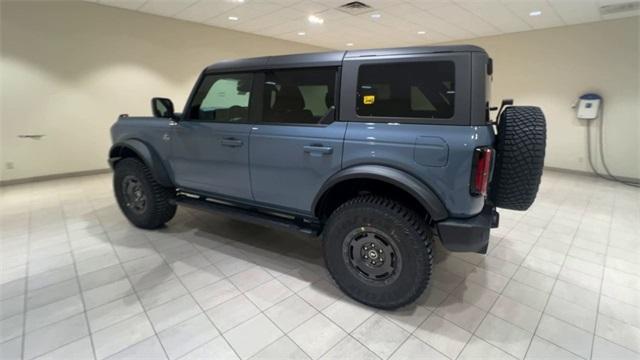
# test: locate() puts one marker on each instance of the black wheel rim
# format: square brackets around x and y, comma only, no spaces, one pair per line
[372,255]
[133,193]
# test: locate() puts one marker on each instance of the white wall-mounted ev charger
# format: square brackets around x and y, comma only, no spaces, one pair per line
[589,106]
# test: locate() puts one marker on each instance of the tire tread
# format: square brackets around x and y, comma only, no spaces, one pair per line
[409,219]
[162,209]
[520,149]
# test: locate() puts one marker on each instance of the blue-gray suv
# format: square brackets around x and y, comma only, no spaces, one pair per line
[381,152]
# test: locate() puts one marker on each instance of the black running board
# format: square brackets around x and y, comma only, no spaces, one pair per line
[251,215]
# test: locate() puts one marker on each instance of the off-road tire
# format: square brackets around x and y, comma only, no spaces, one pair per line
[406,230]
[159,207]
[520,149]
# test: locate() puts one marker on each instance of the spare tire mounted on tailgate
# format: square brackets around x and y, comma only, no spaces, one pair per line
[520,148]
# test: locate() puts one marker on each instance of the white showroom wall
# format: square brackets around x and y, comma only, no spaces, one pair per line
[67,69]
[551,68]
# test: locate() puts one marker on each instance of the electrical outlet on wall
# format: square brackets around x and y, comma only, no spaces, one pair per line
[9,165]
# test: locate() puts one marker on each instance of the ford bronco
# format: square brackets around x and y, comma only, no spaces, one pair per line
[379,152]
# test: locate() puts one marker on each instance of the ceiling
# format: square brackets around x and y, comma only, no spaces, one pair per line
[388,23]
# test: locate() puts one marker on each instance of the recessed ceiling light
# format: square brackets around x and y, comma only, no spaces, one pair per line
[535,13]
[315,19]
[349,44]
[421,32]
[233,18]
[376,16]
[237,1]
[302,33]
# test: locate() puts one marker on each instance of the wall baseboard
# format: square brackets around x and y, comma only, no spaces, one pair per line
[589,173]
[53,177]
[107,170]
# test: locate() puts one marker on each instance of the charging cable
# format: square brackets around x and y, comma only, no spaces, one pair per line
[609,176]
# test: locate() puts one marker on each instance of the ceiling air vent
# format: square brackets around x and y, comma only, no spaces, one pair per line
[355,8]
[619,8]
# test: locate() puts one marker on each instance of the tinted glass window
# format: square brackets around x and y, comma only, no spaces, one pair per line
[413,90]
[304,96]
[223,98]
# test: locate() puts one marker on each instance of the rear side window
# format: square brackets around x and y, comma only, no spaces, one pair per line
[222,98]
[299,96]
[407,90]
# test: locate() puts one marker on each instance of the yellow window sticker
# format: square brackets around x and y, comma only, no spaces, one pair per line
[369,99]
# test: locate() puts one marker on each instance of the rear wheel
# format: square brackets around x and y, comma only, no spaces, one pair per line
[378,251]
[143,201]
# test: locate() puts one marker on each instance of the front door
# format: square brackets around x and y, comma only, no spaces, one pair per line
[297,144]
[210,146]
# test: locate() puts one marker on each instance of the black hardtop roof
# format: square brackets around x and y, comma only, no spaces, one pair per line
[333,58]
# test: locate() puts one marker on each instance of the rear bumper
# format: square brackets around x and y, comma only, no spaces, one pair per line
[470,234]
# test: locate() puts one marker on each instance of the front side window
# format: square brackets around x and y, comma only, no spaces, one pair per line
[407,90]
[222,98]
[301,96]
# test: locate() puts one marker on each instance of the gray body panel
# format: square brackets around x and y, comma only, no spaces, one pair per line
[211,157]
[290,163]
[149,130]
[395,146]
[273,167]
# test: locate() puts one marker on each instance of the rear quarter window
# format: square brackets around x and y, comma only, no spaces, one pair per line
[424,89]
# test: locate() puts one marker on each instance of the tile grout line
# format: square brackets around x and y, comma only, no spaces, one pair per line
[226,278]
[318,312]
[286,334]
[294,293]
[326,317]
[193,298]
[75,269]
[266,309]
[473,333]
[118,322]
[464,278]
[26,287]
[411,334]
[348,335]
[155,335]
[566,258]
[434,312]
[555,281]
[542,312]
[133,289]
[604,270]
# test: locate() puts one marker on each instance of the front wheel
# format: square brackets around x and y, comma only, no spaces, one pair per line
[378,251]
[144,202]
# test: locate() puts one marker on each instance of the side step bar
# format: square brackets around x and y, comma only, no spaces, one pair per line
[251,215]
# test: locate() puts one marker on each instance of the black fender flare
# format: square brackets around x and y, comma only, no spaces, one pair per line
[144,152]
[419,190]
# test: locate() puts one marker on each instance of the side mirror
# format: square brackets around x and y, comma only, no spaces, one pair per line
[162,108]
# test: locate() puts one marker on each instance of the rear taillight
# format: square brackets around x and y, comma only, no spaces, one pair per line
[481,171]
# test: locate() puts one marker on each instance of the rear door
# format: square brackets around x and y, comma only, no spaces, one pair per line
[210,147]
[297,144]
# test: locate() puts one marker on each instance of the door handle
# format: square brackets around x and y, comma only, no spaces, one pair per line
[318,149]
[231,142]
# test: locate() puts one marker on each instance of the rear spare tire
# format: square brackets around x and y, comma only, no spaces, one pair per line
[520,148]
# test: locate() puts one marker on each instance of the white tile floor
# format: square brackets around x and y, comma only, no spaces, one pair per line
[78,282]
